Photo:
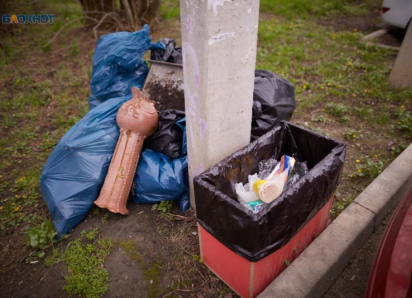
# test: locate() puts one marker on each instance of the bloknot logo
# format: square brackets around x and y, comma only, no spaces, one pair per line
[27,18]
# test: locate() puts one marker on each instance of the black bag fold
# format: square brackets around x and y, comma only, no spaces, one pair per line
[172,54]
[254,236]
[273,101]
[168,137]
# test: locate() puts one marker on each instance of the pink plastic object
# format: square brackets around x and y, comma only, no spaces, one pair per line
[137,120]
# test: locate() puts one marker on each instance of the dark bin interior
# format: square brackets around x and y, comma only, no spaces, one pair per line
[254,236]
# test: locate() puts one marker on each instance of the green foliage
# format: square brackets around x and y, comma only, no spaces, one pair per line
[368,167]
[404,120]
[39,238]
[363,112]
[303,8]
[319,118]
[170,9]
[351,135]
[90,235]
[287,262]
[197,258]
[163,207]
[396,150]
[85,262]
[336,109]
[339,204]
[54,258]
[42,236]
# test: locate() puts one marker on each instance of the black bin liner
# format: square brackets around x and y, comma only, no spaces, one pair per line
[254,236]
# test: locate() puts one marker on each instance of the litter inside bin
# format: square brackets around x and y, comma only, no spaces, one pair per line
[271,187]
[247,195]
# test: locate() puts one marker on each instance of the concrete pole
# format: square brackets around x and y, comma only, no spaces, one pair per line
[401,75]
[219,40]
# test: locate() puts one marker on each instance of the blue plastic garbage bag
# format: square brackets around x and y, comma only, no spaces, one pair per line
[118,64]
[162,178]
[75,170]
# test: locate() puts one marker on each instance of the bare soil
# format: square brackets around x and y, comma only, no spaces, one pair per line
[144,241]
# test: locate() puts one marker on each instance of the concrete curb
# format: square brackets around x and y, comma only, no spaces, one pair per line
[315,270]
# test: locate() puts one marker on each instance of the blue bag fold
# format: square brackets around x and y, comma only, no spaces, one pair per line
[162,178]
[118,64]
[75,170]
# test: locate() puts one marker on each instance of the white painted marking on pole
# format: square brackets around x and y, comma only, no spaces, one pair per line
[249,10]
[214,4]
[221,36]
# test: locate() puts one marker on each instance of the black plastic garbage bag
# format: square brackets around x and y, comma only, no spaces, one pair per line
[254,236]
[168,137]
[273,101]
[118,64]
[172,53]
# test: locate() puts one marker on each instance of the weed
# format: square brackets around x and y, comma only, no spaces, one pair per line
[339,204]
[85,262]
[91,234]
[368,167]
[350,135]
[404,120]
[336,109]
[319,118]
[363,112]
[54,258]
[41,237]
[197,258]
[287,262]
[396,150]
[163,207]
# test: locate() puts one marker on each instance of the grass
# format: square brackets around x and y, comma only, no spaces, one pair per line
[84,258]
[341,86]
[306,8]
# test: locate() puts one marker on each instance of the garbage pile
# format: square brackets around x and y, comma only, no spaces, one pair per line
[267,185]
[73,175]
